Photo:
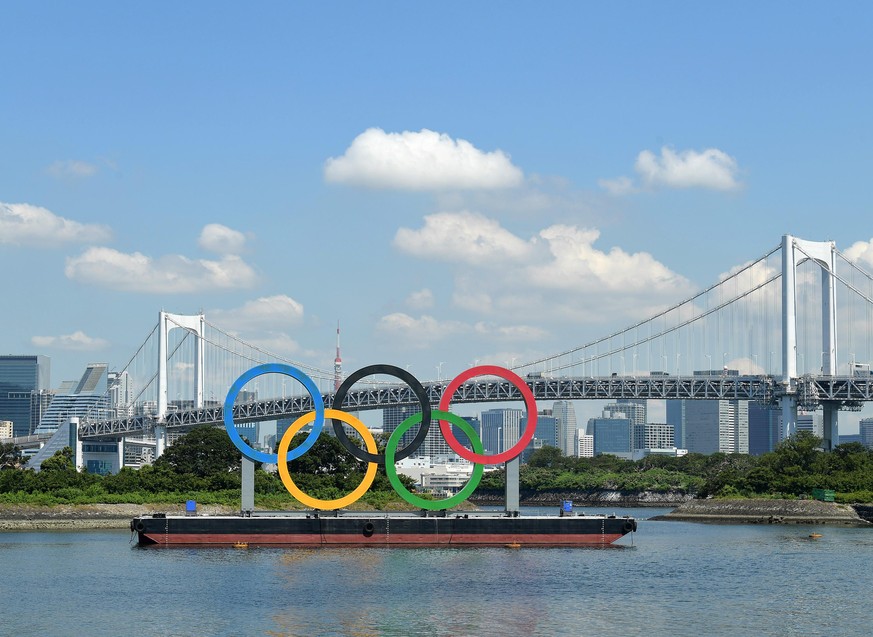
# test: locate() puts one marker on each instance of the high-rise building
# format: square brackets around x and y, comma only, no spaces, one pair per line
[5,428]
[717,426]
[20,377]
[764,425]
[654,436]
[865,431]
[812,422]
[584,444]
[565,415]
[546,433]
[634,408]
[547,428]
[501,429]
[613,434]
[88,397]
[434,444]
[710,426]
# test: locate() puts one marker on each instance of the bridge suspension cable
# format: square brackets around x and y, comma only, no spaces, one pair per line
[661,315]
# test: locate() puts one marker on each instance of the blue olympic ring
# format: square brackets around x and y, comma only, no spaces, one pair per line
[273,368]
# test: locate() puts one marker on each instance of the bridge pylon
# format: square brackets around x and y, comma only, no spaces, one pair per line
[794,252]
[166,323]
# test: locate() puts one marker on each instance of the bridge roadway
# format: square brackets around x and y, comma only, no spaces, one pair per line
[847,392]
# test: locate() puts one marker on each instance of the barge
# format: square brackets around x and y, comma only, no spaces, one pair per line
[361,529]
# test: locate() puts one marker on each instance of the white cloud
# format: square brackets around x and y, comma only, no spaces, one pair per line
[711,168]
[264,322]
[221,239]
[266,313]
[575,264]
[72,168]
[426,331]
[77,341]
[860,251]
[511,332]
[172,274]
[559,275]
[420,299]
[465,237]
[419,332]
[618,186]
[424,160]
[24,224]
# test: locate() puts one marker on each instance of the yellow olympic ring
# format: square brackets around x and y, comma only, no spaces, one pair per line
[315,503]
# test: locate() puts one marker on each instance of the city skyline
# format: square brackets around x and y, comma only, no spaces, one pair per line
[540,179]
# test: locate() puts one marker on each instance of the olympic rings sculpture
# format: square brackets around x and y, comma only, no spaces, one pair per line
[369,455]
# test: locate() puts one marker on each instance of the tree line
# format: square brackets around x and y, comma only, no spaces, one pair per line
[205,466]
[796,467]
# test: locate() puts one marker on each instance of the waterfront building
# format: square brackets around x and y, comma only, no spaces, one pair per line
[613,434]
[434,444]
[654,436]
[501,429]
[87,397]
[764,425]
[674,452]
[634,408]
[865,432]
[20,378]
[250,431]
[565,416]
[584,444]
[710,426]
[812,422]
[546,433]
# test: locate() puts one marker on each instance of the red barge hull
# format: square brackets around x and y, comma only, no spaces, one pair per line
[365,529]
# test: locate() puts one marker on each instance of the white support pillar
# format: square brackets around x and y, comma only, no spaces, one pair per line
[248,486]
[795,251]
[830,428]
[512,485]
[166,323]
[789,337]
[78,455]
[160,440]
[120,454]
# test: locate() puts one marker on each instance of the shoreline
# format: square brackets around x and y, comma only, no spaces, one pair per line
[747,511]
[26,517]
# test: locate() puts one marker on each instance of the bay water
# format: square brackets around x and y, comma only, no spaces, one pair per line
[669,578]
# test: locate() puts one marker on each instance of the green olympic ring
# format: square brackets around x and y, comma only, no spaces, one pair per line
[414,500]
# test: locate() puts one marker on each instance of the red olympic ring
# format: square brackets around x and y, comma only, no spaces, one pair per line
[529,400]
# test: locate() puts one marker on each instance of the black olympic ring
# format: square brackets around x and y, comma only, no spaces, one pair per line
[416,387]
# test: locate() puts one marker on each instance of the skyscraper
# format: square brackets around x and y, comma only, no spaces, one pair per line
[635,408]
[865,430]
[434,444]
[710,426]
[763,428]
[501,429]
[613,434]
[565,415]
[20,377]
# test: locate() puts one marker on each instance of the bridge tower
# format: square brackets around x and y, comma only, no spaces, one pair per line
[166,323]
[794,252]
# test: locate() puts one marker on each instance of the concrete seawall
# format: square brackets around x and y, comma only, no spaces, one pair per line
[766,512]
[84,516]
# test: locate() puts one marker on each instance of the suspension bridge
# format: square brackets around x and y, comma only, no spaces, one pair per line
[775,320]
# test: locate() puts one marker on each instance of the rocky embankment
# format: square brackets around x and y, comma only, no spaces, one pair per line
[766,512]
[84,516]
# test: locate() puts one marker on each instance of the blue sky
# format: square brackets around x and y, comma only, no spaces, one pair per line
[423,173]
